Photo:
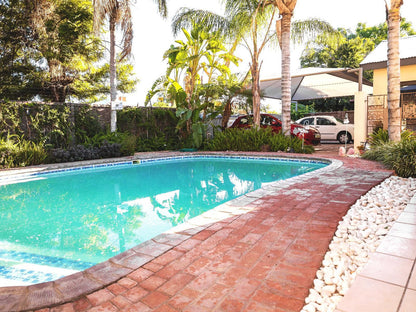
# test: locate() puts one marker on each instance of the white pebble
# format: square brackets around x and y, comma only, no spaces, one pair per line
[358,234]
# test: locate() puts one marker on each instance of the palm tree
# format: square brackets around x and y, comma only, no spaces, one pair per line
[202,56]
[286,8]
[250,22]
[246,21]
[393,69]
[118,13]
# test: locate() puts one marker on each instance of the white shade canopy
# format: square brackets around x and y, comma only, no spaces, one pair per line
[315,83]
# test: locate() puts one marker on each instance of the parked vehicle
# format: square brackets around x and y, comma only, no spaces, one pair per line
[330,128]
[309,134]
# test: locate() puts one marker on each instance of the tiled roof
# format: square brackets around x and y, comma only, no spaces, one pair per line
[379,54]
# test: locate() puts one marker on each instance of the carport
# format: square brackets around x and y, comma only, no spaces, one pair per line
[317,83]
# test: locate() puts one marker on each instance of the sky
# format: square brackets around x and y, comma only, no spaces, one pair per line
[153,35]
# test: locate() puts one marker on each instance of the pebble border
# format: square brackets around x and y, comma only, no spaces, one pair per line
[358,235]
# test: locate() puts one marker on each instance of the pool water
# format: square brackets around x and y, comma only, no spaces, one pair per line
[55,224]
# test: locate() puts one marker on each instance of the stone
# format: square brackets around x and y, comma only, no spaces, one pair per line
[358,234]
[309,308]
[318,284]
[350,151]
[328,290]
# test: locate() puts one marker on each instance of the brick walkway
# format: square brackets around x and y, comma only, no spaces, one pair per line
[264,259]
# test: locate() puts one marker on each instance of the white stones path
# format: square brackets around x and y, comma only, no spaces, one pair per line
[357,236]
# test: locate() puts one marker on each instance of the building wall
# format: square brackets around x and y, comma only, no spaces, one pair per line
[407,73]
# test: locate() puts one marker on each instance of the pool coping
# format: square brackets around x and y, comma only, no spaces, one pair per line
[71,287]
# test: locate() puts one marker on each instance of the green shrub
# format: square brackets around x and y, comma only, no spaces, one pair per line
[238,140]
[47,124]
[402,158]
[155,128]
[126,141]
[86,124]
[378,137]
[81,152]
[15,152]
[381,137]
[54,125]
[255,140]
[398,156]
[158,143]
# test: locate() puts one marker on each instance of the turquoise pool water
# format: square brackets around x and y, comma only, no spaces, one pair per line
[58,223]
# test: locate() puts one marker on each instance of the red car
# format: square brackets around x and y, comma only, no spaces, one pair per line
[311,135]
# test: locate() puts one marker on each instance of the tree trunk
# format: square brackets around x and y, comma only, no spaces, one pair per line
[286,78]
[226,115]
[113,88]
[255,79]
[393,72]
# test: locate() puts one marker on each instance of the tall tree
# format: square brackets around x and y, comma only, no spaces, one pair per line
[62,31]
[48,51]
[336,51]
[248,22]
[393,69]
[118,13]
[201,57]
[347,48]
[379,32]
[286,8]
[16,50]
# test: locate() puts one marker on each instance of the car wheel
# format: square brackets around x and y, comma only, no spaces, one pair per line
[344,137]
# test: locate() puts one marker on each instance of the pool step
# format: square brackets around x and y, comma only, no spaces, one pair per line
[26,257]
[19,274]
[22,268]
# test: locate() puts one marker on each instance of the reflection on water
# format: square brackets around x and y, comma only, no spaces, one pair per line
[89,216]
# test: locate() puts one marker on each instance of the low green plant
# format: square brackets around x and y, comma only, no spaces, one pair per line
[402,158]
[86,124]
[81,152]
[154,128]
[126,141]
[398,156]
[378,137]
[17,152]
[255,140]
[158,143]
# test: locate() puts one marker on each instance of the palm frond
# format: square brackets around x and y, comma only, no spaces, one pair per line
[162,8]
[126,25]
[186,18]
[157,87]
[102,10]
[306,29]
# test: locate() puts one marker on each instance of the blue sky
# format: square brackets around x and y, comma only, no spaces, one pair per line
[152,34]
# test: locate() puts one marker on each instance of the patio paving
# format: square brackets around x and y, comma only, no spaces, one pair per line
[256,254]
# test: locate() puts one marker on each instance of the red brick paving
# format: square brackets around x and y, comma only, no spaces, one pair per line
[263,260]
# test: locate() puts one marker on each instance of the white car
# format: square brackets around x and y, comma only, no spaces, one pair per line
[330,127]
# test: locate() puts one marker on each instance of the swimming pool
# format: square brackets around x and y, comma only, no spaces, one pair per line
[57,223]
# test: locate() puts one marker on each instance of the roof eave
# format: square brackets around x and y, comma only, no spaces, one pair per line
[383,64]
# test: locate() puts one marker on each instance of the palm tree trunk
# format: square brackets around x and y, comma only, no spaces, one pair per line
[113,88]
[286,78]
[255,80]
[393,71]
[255,71]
